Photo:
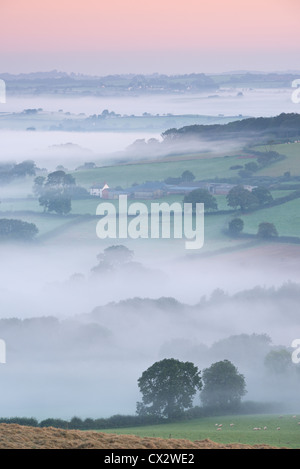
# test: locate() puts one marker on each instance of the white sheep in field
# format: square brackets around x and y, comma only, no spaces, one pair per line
[221,425]
[278,428]
[256,428]
[219,428]
[265,428]
[231,424]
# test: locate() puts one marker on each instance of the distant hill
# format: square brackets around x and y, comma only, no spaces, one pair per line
[57,82]
[283,127]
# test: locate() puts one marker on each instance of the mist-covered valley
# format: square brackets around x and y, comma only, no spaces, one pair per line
[79,332]
[50,148]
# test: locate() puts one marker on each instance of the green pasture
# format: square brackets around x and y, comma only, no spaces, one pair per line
[127,174]
[240,432]
[290,163]
[286,218]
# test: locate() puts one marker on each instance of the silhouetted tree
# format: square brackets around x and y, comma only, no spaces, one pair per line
[267,230]
[223,387]
[201,196]
[262,194]
[187,176]
[168,388]
[238,196]
[235,226]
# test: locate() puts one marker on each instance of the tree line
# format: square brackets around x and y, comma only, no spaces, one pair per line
[168,388]
[282,127]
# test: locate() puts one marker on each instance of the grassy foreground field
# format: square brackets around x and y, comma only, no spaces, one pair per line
[14,436]
[240,432]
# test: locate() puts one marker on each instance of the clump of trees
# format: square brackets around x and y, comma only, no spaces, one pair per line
[278,362]
[284,127]
[112,258]
[17,230]
[240,197]
[169,386]
[56,191]
[262,194]
[186,176]
[11,171]
[201,196]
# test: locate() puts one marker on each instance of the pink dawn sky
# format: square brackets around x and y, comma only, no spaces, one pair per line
[121,36]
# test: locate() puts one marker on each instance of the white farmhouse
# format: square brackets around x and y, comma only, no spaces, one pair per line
[97,189]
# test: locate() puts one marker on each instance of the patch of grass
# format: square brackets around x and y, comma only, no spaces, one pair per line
[241,432]
[16,205]
[291,163]
[286,218]
[126,175]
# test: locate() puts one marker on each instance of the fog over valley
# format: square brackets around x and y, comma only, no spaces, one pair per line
[50,149]
[83,317]
[74,334]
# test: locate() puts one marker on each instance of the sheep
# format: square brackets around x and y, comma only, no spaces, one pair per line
[278,428]
[219,428]
[231,424]
[265,428]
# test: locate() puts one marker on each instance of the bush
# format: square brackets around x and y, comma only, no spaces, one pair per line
[235,226]
[17,230]
[267,230]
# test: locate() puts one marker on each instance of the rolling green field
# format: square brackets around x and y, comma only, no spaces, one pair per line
[291,163]
[79,226]
[126,175]
[241,432]
[203,166]
[71,228]
[286,219]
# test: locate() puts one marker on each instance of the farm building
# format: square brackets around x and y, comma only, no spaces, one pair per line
[97,189]
[216,188]
[156,189]
[112,194]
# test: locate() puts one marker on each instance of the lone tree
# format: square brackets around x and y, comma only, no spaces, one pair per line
[235,226]
[187,176]
[238,196]
[54,192]
[262,194]
[201,196]
[113,258]
[168,388]
[266,230]
[223,387]
[55,202]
